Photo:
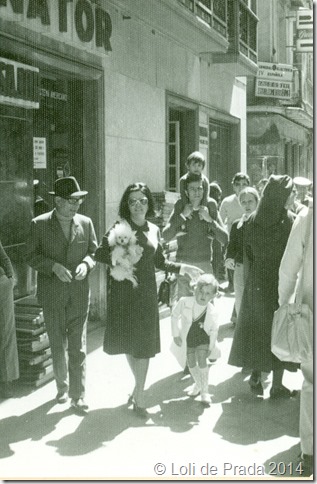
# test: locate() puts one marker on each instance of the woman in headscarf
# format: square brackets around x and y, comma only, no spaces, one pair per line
[265,237]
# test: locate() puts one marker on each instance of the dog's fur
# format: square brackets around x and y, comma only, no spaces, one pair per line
[125,252]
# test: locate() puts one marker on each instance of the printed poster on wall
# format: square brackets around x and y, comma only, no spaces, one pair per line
[39,153]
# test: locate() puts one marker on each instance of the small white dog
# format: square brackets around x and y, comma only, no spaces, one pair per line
[125,252]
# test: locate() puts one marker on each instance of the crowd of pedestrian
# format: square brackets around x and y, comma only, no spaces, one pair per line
[249,238]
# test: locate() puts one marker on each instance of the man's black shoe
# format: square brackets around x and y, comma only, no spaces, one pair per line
[61,397]
[80,406]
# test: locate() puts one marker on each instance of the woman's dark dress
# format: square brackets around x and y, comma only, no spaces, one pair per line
[265,238]
[132,323]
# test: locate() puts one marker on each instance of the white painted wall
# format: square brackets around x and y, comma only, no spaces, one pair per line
[143,65]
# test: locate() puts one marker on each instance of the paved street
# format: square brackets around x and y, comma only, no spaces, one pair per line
[238,436]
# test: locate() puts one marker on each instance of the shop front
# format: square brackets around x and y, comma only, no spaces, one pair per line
[122,92]
[277,145]
[51,116]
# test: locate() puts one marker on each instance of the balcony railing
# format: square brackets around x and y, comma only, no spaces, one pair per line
[242,27]
[235,20]
[212,12]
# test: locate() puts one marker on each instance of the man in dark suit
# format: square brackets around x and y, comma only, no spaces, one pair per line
[61,247]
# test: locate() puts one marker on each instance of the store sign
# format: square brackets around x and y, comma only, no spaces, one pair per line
[274,80]
[279,72]
[78,21]
[19,84]
[60,96]
[305,33]
[277,89]
[305,19]
[203,135]
[39,153]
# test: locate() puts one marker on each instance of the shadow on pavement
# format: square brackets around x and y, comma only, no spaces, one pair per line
[176,411]
[249,419]
[284,464]
[225,331]
[32,425]
[236,386]
[97,428]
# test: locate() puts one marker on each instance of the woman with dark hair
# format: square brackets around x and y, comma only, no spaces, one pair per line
[132,323]
[265,236]
[215,192]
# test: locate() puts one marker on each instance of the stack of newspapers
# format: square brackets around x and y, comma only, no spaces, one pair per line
[33,344]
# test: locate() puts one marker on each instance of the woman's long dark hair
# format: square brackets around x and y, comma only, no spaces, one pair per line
[124,211]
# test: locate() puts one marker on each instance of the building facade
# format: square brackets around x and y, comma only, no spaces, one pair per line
[280,96]
[114,92]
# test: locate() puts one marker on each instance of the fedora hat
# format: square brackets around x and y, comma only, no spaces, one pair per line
[67,187]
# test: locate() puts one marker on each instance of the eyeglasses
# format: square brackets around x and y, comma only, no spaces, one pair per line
[134,201]
[195,190]
[74,201]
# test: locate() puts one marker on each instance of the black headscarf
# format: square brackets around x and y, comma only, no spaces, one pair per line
[271,209]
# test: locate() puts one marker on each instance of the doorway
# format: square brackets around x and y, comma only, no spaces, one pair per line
[223,162]
[182,140]
[60,138]
[58,123]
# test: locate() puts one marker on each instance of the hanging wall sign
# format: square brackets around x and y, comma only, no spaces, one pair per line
[19,84]
[274,80]
[79,22]
[39,153]
[305,32]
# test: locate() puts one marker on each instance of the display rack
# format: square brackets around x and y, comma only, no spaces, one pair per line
[34,351]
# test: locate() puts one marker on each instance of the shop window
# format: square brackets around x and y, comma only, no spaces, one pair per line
[16,190]
[15,175]
[61,100]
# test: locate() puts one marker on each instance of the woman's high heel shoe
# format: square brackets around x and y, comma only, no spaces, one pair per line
[131,398]
[140,411]
[282,392]
[255,384]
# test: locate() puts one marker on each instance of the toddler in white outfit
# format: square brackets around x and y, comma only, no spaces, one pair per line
[195,328]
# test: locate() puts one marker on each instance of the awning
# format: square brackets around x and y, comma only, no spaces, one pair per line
[300,116]
[270,124]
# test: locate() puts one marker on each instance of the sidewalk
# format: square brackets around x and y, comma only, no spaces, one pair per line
[238,436]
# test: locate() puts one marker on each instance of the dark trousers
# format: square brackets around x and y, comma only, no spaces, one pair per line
[230,273]
[66,324]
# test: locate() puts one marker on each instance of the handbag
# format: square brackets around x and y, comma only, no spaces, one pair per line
[165,290]
[292,337]
[291,332]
